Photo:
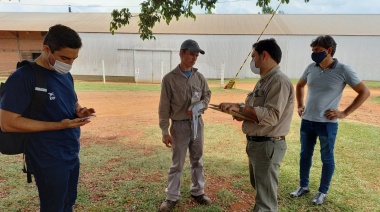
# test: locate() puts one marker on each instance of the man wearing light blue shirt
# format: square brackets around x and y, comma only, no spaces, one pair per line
[326,78]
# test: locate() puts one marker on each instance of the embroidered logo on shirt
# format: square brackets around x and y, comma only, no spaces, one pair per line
[51,96]
[40,89]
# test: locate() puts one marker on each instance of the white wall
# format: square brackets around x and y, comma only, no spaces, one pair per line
[122,53]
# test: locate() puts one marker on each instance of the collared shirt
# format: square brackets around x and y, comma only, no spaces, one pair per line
[273,102]
[325,88]
[176,93]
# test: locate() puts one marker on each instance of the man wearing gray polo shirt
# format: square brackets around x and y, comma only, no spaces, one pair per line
[184,89]
[326,78]
[271,105]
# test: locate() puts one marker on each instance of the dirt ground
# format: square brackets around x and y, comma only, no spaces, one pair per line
[124,105]
[140,108]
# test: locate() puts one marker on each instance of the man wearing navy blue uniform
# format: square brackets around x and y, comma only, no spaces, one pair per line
[53,150]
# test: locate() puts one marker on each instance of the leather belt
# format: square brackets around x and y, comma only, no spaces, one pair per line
[263,138]
[187,119]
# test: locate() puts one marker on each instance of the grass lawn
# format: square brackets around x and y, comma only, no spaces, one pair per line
[120,174]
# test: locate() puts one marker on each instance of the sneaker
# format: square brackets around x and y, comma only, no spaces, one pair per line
[202,199]
[168,205]
[319,198]
[299,192]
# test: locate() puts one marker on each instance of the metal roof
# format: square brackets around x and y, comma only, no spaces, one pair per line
[207,24]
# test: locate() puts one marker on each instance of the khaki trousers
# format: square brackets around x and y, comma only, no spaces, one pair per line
[182,135]
[264,165]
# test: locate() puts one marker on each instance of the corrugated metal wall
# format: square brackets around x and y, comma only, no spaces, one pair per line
[147,61]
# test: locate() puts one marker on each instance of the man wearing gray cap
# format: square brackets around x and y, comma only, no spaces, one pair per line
[184,96]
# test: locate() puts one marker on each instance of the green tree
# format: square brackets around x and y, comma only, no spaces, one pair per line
[267,10]
[152,11]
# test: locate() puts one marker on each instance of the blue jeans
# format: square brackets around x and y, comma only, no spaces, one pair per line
[326,132]
[57,186]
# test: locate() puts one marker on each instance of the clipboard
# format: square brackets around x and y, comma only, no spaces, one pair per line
[233,113]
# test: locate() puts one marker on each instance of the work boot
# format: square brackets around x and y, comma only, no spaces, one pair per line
[202,199]
[168,205]
[299,192]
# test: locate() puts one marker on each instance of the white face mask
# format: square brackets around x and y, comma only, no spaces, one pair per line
[253,68]
[60,67]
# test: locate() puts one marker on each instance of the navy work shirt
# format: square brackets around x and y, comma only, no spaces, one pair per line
[47,148]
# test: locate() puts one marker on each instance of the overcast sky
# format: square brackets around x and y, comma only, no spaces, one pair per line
[222,7]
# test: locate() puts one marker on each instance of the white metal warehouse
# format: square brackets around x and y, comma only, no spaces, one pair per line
[226,39]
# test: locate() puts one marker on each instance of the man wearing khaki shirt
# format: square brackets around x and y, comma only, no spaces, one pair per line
[184,96]
[271,105]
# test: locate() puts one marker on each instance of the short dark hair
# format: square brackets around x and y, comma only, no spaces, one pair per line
[60,36]
[270,46]
[326,41]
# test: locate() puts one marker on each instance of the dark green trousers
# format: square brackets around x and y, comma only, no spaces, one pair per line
[264,165]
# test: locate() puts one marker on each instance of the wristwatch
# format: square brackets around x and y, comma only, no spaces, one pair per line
[241,107]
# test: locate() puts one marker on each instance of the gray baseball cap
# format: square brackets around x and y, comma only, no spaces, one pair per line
[192,45]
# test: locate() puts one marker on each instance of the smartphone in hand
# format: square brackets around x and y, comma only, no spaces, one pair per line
[87,117]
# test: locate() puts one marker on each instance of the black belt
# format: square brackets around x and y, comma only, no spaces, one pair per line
[187,119]
[263,138]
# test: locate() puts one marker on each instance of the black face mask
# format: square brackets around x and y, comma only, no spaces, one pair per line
[318,57]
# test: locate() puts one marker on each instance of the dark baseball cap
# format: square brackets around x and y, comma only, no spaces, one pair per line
[192,45]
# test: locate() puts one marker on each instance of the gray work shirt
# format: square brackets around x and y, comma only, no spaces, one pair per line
[273,102]
[325,88]
[176,93]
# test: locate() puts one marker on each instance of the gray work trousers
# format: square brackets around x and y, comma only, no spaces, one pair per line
[183,139]
[264,166]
